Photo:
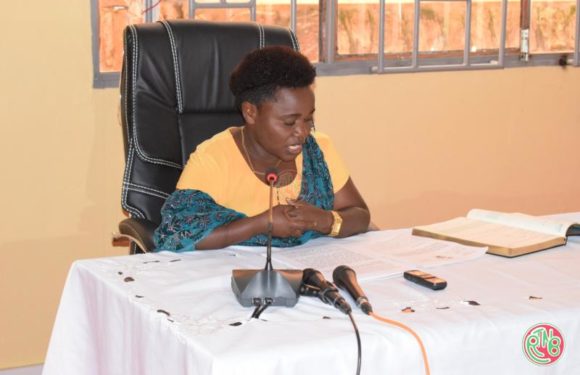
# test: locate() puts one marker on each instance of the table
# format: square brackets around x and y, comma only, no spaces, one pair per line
[175,314]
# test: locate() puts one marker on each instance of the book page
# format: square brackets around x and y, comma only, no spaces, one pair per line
[523,221]
[572,218]
[489,233]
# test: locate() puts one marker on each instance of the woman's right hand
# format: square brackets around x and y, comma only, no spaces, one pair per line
[242,229]
[284,225]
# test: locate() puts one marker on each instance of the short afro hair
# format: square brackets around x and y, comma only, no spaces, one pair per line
[263,71]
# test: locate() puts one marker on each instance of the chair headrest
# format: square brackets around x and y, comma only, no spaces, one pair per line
[205,53]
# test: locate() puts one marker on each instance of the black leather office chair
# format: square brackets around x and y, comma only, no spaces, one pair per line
[175,95]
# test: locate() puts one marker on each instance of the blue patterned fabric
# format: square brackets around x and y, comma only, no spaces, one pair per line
[188,216]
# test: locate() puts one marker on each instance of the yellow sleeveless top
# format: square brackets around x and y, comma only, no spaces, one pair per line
[218,168]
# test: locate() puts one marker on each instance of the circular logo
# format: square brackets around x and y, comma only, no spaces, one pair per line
[543,344]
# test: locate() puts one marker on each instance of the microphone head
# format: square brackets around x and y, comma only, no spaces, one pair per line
[344,277]
[309,287]
[340,273]
[271,175]
[307,274]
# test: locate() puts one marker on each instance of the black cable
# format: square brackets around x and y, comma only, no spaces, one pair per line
[358,344]
[260,309]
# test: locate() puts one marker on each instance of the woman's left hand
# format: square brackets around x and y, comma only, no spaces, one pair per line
[315,218]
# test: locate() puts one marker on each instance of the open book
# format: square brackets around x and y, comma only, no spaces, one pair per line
[506,234]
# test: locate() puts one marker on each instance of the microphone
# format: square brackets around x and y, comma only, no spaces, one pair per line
[314,284]
[345,278]
[271,179]
[267,286]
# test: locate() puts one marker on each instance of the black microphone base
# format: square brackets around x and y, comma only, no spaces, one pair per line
[273,287]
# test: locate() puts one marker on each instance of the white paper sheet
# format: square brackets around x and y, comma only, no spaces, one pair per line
[377,254]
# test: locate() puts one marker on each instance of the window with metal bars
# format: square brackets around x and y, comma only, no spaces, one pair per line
[371,36]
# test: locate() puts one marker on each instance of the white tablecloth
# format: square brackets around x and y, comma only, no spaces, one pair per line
[175,314]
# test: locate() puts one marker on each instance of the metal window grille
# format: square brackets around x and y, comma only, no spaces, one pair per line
[333,63]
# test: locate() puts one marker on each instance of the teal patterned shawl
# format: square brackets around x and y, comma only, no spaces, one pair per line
[188,216]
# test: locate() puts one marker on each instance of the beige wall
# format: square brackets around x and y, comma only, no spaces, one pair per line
[422,147]
[425,147]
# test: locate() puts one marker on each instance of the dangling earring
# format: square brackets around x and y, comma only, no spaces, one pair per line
[313,126]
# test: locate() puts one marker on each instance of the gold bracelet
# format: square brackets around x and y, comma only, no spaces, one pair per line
[336,224]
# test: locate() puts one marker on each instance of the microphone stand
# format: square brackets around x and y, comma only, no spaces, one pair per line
[271,180]
[267,286]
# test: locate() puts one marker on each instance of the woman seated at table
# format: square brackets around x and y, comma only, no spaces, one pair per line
[222,195]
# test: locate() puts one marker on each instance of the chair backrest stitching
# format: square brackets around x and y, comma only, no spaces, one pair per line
[175,65]
[129,135]
[262,36]
[127,127]
[125,177]
[134,78]
[128,170]
[130,184]
[133,210]
[294,40]
[140,152]
[148,193]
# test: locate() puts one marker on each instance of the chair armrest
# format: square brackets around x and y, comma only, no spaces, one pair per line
[139,231]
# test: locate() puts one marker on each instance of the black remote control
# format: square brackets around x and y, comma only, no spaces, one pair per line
[425,279]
